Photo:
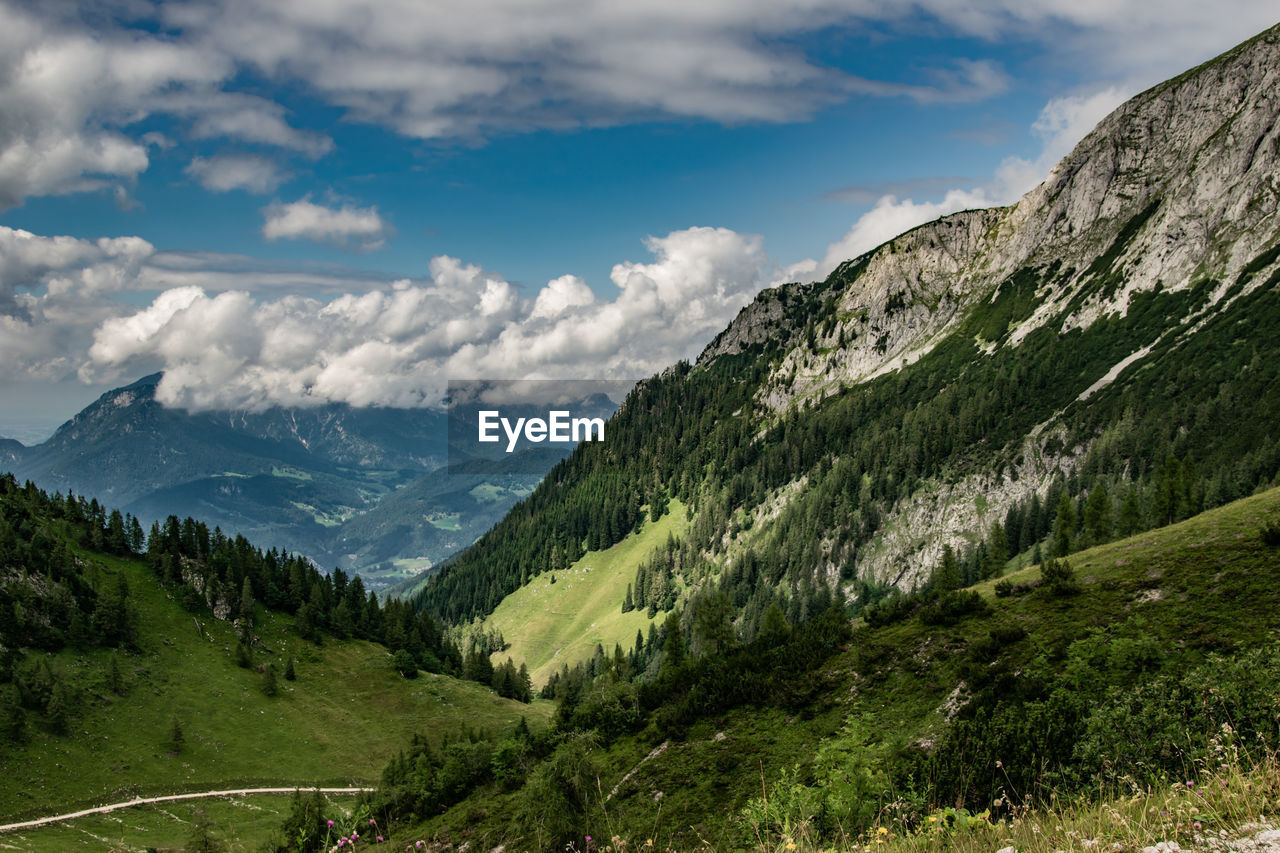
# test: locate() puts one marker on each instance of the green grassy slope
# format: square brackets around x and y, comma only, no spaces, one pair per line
[338,723]
[1173,597]
[550,624]
[239,824]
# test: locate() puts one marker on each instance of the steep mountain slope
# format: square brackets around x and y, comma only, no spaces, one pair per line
[1154,664]
[969,384]
[10,452]
[205,664]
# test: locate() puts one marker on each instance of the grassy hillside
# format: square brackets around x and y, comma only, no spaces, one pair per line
[1168,635]
[339,722]
[239,824]
[550,624]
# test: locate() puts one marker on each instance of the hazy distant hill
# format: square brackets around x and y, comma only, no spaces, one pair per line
[310,480]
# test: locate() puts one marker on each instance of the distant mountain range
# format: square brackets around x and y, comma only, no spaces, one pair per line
[360,488]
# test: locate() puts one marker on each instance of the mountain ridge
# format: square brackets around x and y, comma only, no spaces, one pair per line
[963,374]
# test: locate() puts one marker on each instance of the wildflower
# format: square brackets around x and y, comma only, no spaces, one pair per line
[380,839]
[933,819]
[1196,825]
[370,821]
[1191,784]
[330,823]
[882,831]
[791,845]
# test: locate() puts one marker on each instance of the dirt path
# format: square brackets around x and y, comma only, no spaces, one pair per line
[168,798]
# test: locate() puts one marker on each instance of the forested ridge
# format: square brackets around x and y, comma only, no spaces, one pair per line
[1189,430]
[55,594]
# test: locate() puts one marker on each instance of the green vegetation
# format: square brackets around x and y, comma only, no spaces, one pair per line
[118,681]
[235,825]
[1121,679]
[1172,428]
[551,625]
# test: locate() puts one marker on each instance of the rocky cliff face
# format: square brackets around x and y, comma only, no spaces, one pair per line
[1179,185]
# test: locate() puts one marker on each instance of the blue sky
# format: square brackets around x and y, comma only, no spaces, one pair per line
[289,202]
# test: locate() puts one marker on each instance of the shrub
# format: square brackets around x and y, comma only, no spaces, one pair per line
[1270,534]
[1059,577]
[953,606]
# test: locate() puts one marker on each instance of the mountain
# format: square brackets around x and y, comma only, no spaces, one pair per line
[271,673]
[292,477]
[1030,450]
[11,452]
[975,379]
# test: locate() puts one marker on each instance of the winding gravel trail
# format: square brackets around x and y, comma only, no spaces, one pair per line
[168,798]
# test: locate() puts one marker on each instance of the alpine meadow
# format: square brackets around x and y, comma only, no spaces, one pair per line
[973,544]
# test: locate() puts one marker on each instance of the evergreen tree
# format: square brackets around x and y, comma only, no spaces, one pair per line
[56,713]
[176,737]
[1064,525]
[270,683]
[997,551]
[1130,520]
[245,610]
[947,575]
[289,673]
[201,839]
[673,643]
[1097,515]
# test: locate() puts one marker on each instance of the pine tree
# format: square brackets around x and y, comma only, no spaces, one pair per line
[176,736]
[56,712]
[997,551]
[270,683]
[246,602]
[627,604]
[947,576]
[1130,521]
[1097,515]
[1064,525]
[201,839]
[289,673]
[673,644]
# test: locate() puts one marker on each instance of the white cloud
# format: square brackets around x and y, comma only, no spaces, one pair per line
[304,219]
[561,294]
[71,97]
[224,172]
[398,344]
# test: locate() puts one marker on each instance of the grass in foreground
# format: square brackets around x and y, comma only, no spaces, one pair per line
[339,723]
[238,824]
[1232,802]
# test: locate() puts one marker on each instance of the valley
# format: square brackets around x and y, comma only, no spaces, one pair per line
[972,539]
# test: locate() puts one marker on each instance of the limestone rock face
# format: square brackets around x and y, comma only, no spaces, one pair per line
[1194,159]
[1178,186]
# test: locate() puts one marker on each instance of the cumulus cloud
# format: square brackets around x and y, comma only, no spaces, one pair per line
[1061,124]
[345,225]
[224,172]
[54,291]
[399,344]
